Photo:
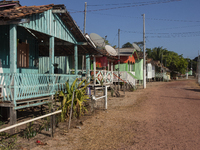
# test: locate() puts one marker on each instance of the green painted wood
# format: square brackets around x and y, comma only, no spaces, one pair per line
[126,64]
[50,24]
[88,65]
[92,65]
[122,67]
[139,69]
[65,64]
[13,60]
[132,75]
[28,85]
[76,59]
[51,55]
[13,48]
[24,36]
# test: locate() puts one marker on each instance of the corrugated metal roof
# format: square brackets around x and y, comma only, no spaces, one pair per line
[125,51]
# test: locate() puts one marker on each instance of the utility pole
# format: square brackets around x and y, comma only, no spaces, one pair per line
[85,18]
[144,59]
[187,69]
[118,56]
[162,69]
[84,31]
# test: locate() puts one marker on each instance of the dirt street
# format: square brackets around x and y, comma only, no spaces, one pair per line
[166,115]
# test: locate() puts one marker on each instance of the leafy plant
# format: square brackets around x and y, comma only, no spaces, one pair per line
[30,131]
[80,97]
[1,122]
[8,144]
[102,81]
[72,71]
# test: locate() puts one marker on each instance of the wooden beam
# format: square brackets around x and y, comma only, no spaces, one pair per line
[94,68]
[51,55]
[13,118]
[6,105]
[58,11]
[76,59]
[82,43]
[13,48]
[56,43]
[88,66]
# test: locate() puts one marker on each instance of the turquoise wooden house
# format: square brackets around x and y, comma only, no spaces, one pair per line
[26,35]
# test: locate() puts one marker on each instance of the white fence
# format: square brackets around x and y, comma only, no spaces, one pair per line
[31,120]
[125,76]
[100,93]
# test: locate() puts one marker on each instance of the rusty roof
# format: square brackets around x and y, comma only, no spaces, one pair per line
[22,11]
[8,4]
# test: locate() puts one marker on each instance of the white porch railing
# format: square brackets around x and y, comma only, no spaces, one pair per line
[102,77]
[124,75]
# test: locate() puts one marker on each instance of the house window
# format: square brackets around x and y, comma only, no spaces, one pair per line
[22,55]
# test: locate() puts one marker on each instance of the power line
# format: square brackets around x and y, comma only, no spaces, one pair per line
[123,3]
[155,19]
[173,28]
[172,20]
[167,35]
[143,4]
[114,39]
[132,31]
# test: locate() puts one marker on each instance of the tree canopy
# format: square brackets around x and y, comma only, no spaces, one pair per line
[174,61]
[140,44]
[127,45]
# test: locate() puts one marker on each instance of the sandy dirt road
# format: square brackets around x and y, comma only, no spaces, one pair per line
[163,116]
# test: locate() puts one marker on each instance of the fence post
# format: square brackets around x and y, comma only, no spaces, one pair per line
[70,116]
[106,97]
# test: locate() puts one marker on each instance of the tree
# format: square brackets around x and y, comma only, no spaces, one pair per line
[107,43]
[174,61]
[127,45]
[140,44]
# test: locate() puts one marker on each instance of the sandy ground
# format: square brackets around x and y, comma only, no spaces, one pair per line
[166,115]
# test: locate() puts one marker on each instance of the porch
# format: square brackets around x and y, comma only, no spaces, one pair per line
[27,34]
[21,90]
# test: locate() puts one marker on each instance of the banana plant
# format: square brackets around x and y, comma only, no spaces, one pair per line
[80,97]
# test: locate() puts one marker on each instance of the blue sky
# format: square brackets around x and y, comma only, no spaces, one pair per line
[172,24]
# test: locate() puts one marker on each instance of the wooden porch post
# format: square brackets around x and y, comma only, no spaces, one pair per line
[94,66]
[51,71]
[13,48]
[88,66]
[51,55]
[112,71]
[13,69]
[108,65]
[76,59]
